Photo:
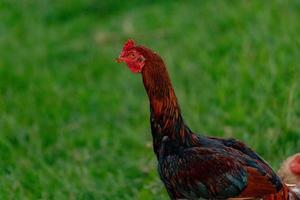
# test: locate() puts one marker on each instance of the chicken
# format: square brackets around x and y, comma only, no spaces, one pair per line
[289,172]
[194,166]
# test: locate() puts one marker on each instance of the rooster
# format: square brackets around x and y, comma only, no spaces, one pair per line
[194,166]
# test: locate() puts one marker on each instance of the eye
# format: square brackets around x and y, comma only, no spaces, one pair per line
[132,55]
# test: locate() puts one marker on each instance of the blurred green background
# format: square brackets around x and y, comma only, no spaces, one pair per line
[75,125]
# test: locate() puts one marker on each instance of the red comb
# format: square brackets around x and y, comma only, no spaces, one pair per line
[128,45]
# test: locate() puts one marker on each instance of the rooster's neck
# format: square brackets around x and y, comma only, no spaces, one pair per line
[166,119]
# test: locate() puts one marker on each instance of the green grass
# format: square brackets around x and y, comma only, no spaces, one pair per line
[75,125]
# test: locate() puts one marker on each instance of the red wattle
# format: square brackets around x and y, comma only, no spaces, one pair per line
[134,67]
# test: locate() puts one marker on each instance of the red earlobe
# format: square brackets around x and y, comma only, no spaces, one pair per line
[141,59]
[128,45]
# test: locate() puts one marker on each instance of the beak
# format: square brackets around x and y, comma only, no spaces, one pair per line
[119,60]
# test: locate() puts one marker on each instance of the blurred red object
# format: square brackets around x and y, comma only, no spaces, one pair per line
[289,171]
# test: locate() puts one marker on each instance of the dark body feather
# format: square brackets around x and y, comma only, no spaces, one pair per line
[193,166]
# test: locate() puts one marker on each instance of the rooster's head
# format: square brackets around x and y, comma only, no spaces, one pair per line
[132,57]
[290,170]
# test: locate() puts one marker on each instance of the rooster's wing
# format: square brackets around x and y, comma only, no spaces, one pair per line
[214,173]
